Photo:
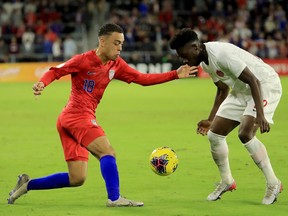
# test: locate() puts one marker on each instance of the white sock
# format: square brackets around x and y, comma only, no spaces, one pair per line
[219,151]
[259,155]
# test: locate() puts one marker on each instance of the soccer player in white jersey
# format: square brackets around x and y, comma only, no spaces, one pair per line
[248,92]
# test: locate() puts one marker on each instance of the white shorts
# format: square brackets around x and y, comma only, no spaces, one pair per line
[237,105]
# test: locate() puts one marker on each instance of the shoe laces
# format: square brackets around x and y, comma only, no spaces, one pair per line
[270,190]
[220,187]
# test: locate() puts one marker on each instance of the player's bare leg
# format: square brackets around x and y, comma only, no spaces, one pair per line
[77,172]
[102,149]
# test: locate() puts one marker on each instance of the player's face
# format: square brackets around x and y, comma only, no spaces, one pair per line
[112,45]
[191,53]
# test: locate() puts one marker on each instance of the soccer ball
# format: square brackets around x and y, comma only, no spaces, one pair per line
[163,161]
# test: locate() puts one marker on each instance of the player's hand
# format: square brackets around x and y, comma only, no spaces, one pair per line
[38,87]
[203,127]
[263,124]
[185,71]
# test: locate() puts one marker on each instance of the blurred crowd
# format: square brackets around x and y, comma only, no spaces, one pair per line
[259,26]
[32,30]
[50,28]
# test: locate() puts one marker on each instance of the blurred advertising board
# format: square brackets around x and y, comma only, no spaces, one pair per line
[31,72]
[25,72]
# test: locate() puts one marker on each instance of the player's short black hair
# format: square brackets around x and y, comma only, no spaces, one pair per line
[182,37]
[109,28]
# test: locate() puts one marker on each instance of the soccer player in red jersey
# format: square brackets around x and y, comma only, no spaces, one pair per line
[91,72]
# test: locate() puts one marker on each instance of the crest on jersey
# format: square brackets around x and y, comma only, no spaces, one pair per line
[93,121]
[111,74]
[220,73]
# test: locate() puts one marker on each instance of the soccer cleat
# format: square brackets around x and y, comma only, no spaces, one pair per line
[20,188]
[123,202]
[272,192]
[221,189]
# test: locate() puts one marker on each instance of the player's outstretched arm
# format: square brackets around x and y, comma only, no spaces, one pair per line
[38,87]
[185,71]
[45,80]
[129,74]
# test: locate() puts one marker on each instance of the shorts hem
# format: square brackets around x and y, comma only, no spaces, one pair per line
[77,158]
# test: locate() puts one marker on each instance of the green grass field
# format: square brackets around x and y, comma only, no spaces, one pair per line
[137,120]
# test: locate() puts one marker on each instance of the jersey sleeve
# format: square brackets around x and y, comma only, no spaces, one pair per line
[229,61]
[214,77]
[128,74]
[69,67]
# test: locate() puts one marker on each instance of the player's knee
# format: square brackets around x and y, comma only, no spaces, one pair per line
[113,153]
[245,136]
[215,139]
[210,136]
[76,181]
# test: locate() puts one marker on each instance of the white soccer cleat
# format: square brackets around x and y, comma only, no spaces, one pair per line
[221,189]
[272,192]
[20,188]
[123,202]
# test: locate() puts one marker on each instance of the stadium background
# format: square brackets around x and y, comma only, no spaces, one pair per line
[53,31]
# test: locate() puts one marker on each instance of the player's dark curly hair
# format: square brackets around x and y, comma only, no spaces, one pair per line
[182,37]
[109,28]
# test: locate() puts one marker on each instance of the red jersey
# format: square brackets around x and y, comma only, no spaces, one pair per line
[90,78]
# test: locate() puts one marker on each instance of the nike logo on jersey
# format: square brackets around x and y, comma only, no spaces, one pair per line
[91,73]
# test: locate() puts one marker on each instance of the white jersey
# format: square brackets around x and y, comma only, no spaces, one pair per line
[227,61]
